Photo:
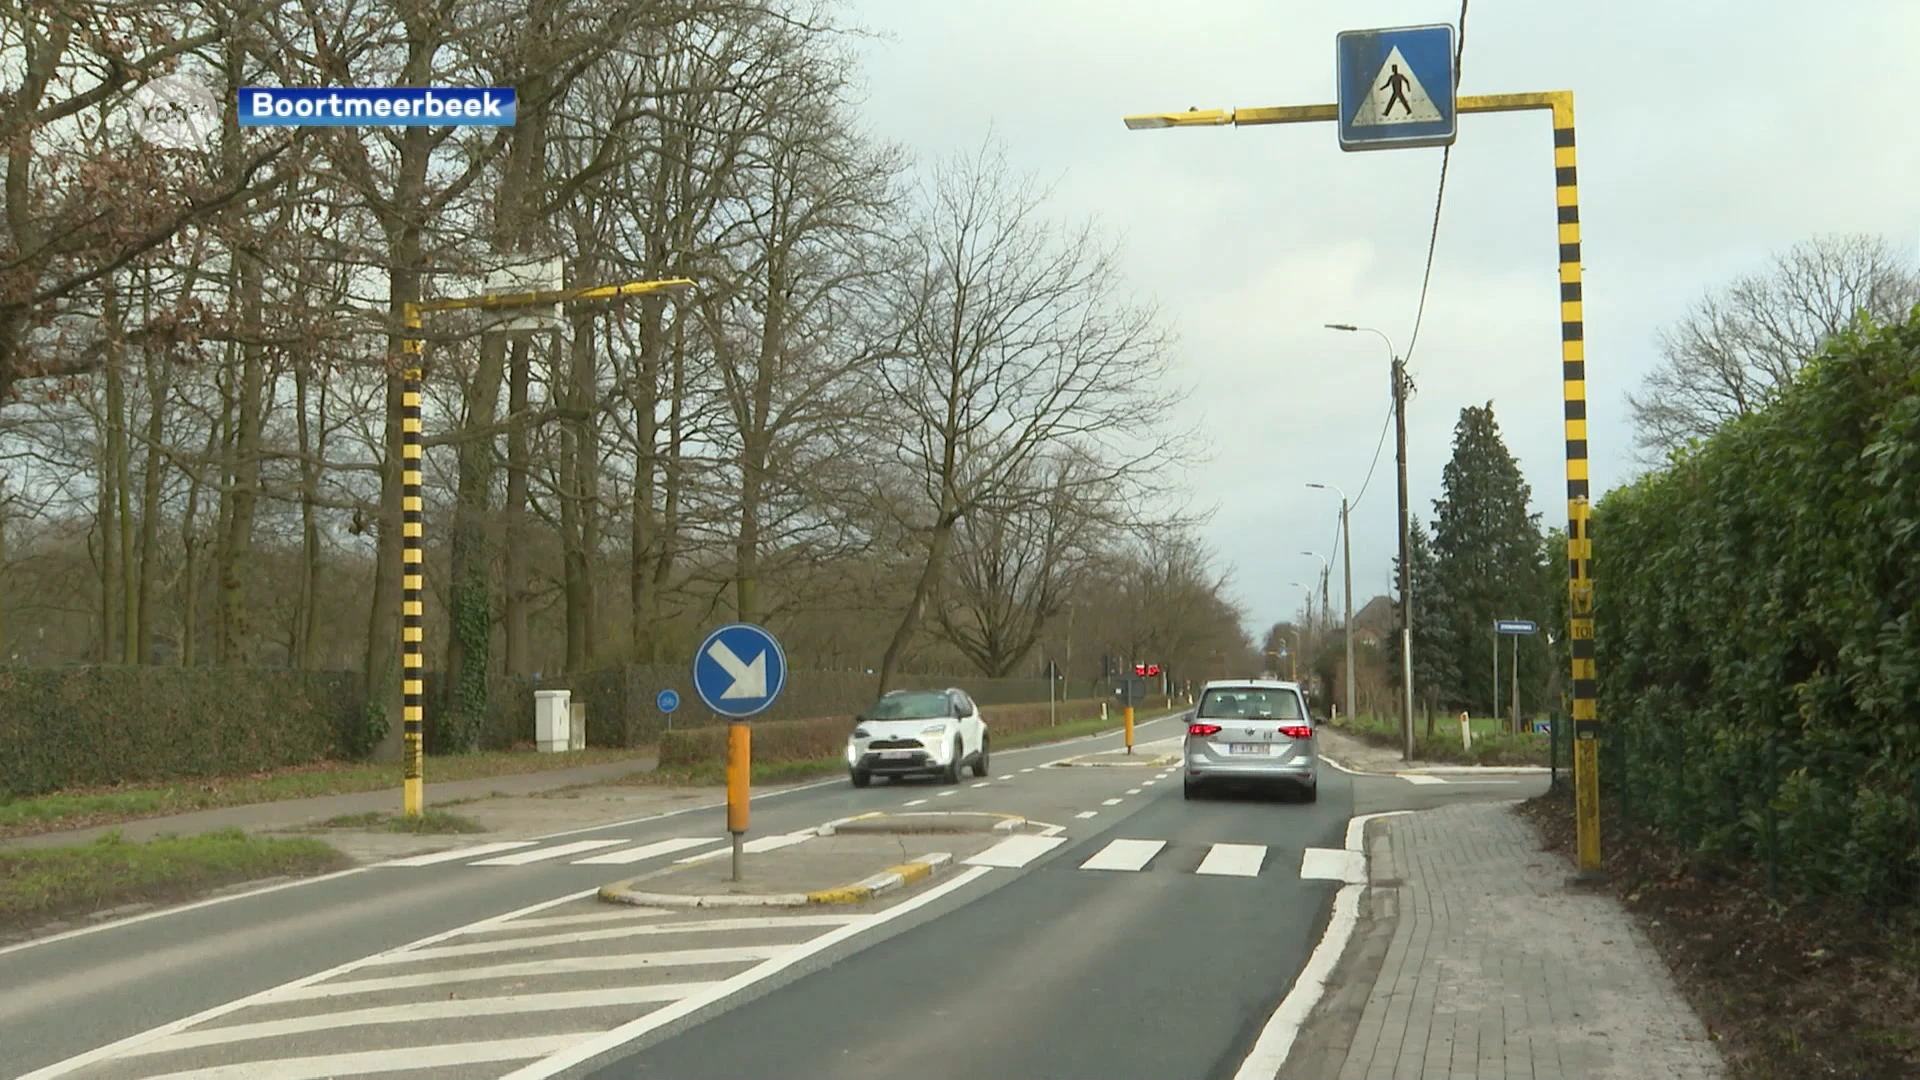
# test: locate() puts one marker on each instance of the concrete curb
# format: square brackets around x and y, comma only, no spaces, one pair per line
[1144,763]
[1449,770]
[860,891]
[875,822]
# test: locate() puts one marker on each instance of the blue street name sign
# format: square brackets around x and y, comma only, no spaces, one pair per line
[667,701]
[739,670]
[1396,88]
[1514,626]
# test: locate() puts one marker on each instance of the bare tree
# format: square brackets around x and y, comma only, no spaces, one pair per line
[1017,344]
[1737,346]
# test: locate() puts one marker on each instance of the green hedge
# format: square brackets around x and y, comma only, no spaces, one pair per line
[1758,630]
[91,726]
[826,736]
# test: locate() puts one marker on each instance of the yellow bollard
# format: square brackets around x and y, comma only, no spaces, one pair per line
[1129,718]
[739,784]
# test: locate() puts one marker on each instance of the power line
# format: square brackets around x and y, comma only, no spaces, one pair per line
[1440,196]
[1377,447]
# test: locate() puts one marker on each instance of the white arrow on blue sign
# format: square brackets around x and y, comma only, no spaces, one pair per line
[1396,87]
[1514,626]
[739,670]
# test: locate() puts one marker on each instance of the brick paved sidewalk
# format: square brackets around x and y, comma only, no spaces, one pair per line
[1496,970]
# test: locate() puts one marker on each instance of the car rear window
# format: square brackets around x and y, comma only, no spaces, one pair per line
[1255,702]
[910,705]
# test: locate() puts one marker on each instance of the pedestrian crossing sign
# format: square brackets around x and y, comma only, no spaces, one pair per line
[1396,88]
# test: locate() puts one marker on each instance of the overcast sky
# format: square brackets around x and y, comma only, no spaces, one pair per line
[1711,134]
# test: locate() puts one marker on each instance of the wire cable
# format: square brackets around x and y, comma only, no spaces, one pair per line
[1440,196]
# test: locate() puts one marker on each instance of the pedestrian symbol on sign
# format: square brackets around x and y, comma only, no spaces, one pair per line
[1396,84]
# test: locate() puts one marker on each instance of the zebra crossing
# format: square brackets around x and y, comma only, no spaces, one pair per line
[617,852]
[1131,855]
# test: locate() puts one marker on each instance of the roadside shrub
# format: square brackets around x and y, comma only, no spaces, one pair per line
[100,725]
[1758,630]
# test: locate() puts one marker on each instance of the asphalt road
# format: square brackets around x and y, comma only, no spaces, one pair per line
[1153,971]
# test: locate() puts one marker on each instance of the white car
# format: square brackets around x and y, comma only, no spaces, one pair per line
[918,733]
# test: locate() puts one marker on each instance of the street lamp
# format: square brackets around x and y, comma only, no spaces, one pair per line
[1346,557]
[1326,571]
[1406,592]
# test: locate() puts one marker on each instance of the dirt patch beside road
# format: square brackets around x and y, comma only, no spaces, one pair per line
[1791,991]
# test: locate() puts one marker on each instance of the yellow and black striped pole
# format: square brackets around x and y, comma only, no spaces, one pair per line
[412,585]
[1573,375]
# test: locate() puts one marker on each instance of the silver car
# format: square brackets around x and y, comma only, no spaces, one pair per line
[1252,730]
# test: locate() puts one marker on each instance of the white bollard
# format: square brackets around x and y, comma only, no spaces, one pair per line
[1466,731]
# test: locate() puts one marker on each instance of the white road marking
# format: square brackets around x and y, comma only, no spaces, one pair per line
[379,1061]
[1016,851]
[422,1010]
[1026,770]
[522,858]
[701,926]
[564,965]
[943,794]
[1009,776]
[1270,1050]
[1149,783]
[1234,860]
[626,913]
[1418,778]
[1110,802]
[916,802]
[753,847]
[1124,855]
[1333,864]
[626,1033]
[983,783]
[1085,814]
[1133,791]
[647,851]
[126,1045]
[473,851]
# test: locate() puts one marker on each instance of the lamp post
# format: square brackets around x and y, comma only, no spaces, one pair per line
[1326,571]
[1406,591]
[1346,558]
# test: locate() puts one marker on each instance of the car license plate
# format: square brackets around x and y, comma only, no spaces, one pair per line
[1247,748]
[897,754]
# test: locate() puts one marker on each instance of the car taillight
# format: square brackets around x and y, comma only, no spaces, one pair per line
[1297,732]
[1203,729]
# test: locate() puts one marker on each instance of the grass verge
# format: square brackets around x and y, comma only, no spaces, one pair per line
[430,822]
[714,773]
[105,806]
[37,884]
[1789,988]
[1491,747]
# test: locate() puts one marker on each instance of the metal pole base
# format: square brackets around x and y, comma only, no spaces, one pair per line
[736,855]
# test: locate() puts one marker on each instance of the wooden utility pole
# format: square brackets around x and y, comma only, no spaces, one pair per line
[1406,593]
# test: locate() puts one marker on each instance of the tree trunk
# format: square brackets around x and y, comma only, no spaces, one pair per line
[234,646]
[159,384]
[303,617]
[579,480]
[922,590]
[110,553]
[470,556]
[514,562]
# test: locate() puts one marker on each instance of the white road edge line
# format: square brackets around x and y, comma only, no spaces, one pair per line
[1276,1039]
[1085,814]
[591,1048]
[1110,802]
[914,802]
[114,1049]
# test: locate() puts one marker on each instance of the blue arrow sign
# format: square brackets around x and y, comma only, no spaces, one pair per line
[739,670]
[1513,626]
[667,701]
[1396,88]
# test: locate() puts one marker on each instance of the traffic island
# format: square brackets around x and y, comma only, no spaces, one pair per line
[1152,755]
[831,868]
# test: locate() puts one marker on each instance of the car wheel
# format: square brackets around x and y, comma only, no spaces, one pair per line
[861,777]
[980,762]
[1188,790]
[1310,793]
[952,775]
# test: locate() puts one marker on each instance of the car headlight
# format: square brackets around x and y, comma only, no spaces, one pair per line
[861,733]
[934,729]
